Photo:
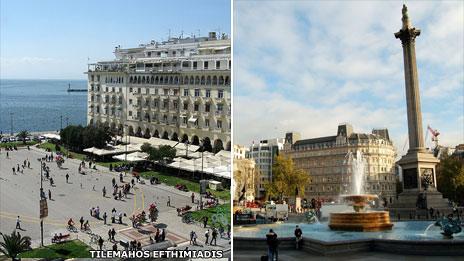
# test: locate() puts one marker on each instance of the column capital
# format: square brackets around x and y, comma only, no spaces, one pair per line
[407,34]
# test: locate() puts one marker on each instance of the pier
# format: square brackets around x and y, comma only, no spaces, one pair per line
[75,90]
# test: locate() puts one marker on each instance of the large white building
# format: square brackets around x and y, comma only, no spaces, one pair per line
[263,154]
[177,89]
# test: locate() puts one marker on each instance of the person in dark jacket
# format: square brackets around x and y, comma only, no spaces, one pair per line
[272,243]
[298,236]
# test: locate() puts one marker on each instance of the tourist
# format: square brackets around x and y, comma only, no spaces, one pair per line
[81,221]
[157,235]
[194,238]
[121,178]
[51,181]
[18,223]
[214,235]
[14,171]
[228,231]
[139,246]
[111,167]
[113,181]
[298,236]
[92,209]
[193,197]
[206,236]
[100,243]
[120,217]
[104,218]
[272,243]
[67,177]
[7,155]
[28,164]
[86,225]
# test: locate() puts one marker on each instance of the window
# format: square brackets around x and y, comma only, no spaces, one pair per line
[165,104]
[165,118]
[148,54]
[195,65]
[130,113]
[130,89]
[186,92]
[175,105]
[120,90]
[166,91]
[207,107]
[220,107]
[197,92]
[195,107]
[220,93]
[185,120]
[130,101]
[138,90]
[218,64]
[208,93]
[219,124]
[206,122]
[205,65]
[147,91]
[186,106]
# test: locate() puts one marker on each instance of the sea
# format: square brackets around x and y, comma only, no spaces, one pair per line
[41,105]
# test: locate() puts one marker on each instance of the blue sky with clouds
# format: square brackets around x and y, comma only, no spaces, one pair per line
[309,65]
[53,38]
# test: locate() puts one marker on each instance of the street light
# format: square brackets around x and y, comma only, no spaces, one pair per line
[11,123]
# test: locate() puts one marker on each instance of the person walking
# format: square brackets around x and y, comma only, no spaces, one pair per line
[272,243]
[192,233]
[28,164]
[163,234]
[82,222]
[121,178]
[298,236]
[113,233]
[104,192]
[104,218]
[205,221]
[49,195]
[193,197]
[100,243]
[14,171]
[214,236]
[110,238]
[206,236]
[169,202]
[67,177]
[7,155]
[18,223]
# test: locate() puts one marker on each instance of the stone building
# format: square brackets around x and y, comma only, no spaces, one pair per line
[245,176]
[325,159]
[240,151]
[177,89]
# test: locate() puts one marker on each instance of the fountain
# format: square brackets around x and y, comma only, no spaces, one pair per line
[361,219]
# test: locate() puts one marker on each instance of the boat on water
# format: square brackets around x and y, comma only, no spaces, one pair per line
[75,90]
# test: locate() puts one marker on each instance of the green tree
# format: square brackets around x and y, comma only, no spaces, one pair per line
[450,178]
[14,244]
[23,135]
[286,179]
[146,147]
[162,154]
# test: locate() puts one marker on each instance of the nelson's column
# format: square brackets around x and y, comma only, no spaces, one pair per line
[418,165]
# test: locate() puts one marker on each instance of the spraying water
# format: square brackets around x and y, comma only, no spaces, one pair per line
[357,165]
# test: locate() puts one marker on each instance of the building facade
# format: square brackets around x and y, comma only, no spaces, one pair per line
[325,159]
[245,176]
[263,154]
[240,151]
[177,89]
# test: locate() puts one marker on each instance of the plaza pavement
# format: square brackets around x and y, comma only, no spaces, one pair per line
[19,195]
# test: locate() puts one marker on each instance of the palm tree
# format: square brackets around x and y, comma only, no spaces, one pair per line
[14,244]
[23,135]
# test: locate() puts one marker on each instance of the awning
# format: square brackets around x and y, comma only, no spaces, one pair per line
[192,119]
[132,157]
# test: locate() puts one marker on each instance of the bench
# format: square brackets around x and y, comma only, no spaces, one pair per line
[60,238]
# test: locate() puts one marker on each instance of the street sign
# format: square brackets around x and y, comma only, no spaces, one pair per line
[43,208]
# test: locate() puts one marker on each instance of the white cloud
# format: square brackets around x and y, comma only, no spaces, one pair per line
[312,65]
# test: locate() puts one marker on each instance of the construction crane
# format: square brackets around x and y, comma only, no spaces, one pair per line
[434,134]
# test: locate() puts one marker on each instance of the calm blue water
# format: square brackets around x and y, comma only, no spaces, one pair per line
[38,104]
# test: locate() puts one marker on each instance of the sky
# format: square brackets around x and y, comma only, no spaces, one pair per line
[53,39]
[308,66]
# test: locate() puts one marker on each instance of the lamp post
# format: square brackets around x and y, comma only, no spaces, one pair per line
[11,123]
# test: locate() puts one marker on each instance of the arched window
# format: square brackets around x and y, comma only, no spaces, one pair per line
[197,80]
[166,79]
[161,80]
[138,79]
[186,80]
[176,80]
[221,80]
[171,80]
[156,80]
[215,81]
[152,80]
[208,80]
[227,81]
[203,80]
[130,79]
[192,81]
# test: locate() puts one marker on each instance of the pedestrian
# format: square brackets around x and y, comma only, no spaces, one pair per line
[206,236]
[228,231]
[93,188]
[7,155]
[120,218]
[49,195]
[104,192]
[104,218]
[115,246]
[298,236]
[113,181]
[28,164]
[272,242]
[163,235]
[67,177]
[81,185]
[205,221]
[86,225]
[14,171]
[100,243]
[111,167]
[91,211]
[18,223]
[169,201]
[213,236]
[121,178]
[109,235]
[113,233]
[81,221]
[193,197]
[192,233]
[17,170]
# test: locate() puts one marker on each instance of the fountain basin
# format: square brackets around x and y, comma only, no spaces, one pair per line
[360,221]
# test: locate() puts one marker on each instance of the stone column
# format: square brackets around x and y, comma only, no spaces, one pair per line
[407,35]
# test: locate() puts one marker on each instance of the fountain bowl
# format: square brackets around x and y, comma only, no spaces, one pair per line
[360,219]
